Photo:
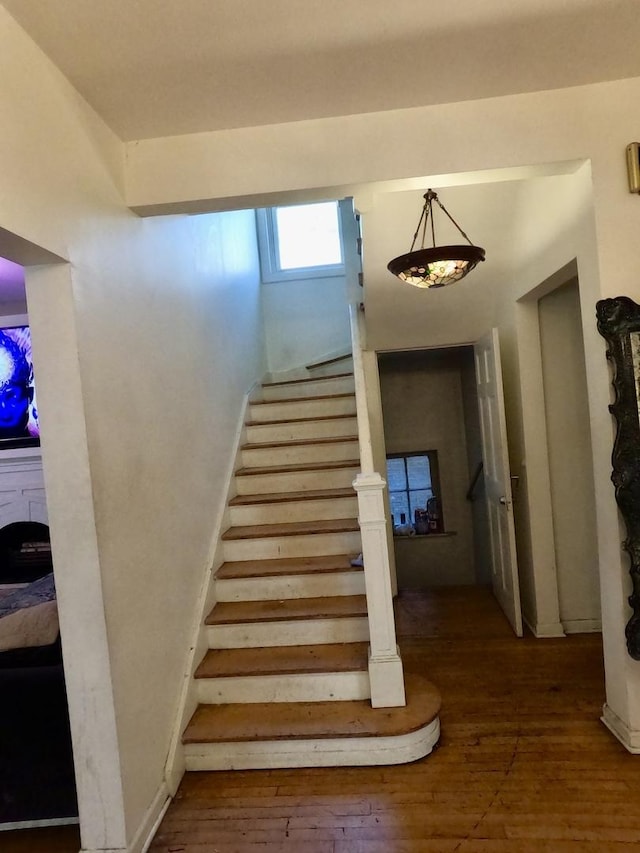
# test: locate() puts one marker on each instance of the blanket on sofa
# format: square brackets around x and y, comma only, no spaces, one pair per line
[29,616]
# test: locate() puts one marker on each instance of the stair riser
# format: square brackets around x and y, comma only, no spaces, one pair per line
[291,586]
[253,457]
[320,752]
[311,388]
[297,632]
[296,481]
[312,687]
[278,547]
[291,511]
[302,430]
[317,408]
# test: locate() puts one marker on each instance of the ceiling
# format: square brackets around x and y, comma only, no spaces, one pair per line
[159,67]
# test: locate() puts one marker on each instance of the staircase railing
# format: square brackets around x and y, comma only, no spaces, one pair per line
[385,665]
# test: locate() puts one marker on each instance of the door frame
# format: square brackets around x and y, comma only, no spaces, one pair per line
[535,512]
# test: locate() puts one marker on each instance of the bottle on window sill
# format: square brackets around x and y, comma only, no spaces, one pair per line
[434,516]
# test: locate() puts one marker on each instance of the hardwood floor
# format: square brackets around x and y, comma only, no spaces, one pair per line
[523,765]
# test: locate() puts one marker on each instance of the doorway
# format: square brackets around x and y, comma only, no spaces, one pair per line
[570,458]
[430,406]
[37,776]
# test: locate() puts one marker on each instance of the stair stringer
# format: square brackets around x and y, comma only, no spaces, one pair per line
[175,766]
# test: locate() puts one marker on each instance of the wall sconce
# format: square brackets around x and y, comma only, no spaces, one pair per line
[633,166]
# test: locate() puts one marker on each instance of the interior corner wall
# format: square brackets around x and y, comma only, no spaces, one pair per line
[164,325]
[305,320]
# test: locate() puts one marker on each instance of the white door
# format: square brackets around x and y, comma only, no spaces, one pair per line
[504,567]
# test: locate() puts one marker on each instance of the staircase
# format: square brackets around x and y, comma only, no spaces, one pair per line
[285,680]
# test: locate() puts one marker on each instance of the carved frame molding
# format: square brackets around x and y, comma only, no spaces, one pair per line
[619,324]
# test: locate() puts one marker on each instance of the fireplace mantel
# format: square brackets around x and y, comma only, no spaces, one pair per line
[22,492]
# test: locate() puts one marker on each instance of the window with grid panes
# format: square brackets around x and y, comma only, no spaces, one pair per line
[412,478]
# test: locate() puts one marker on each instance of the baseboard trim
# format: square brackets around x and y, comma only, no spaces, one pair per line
[544,630]
[150,822]
[39,824]
[321,752]
[629,738]
[582,626]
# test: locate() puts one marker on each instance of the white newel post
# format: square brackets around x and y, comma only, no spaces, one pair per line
[385,665]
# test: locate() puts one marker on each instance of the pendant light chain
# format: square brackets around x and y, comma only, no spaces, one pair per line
[444,209]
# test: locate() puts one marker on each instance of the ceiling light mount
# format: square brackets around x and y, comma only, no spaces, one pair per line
[439,265]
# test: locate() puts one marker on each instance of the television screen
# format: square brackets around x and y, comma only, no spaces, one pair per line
[18,412]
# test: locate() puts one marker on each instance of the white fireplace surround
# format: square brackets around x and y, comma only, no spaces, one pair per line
[22,493]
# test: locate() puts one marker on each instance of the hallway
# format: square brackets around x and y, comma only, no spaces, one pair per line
[524,764]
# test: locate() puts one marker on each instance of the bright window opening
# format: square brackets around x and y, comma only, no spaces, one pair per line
[300,241]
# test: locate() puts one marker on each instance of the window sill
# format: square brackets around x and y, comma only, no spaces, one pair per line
[426,535]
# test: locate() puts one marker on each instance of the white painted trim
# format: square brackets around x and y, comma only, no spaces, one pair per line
[364,428]
[302,585]
[293,632]
[104,850]
[294,687]
[301,545]
[174,765]
[544,631]
[278,587]
[582,626]
[629,738]
[39,824]
[323,752]
[148,827]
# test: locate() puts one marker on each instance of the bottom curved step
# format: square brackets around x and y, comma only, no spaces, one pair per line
[313,734]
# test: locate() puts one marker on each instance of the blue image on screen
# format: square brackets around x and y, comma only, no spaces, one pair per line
[18,412]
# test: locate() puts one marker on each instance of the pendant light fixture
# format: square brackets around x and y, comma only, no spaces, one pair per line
[439,265]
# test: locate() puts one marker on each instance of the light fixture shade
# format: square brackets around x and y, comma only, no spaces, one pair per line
[439,265]
[436,267]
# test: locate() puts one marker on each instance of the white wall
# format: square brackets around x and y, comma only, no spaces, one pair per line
[304,321]
[144,346]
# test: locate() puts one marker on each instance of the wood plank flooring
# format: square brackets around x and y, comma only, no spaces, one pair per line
[524,765]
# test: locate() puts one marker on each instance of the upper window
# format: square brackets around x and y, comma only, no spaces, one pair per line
[300,241]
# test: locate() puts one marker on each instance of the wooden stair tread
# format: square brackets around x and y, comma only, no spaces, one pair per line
[300,442]
[340,396]
[314,720]
[305,466]
[326,607]
[294,528]
[285,382]
[284,660]
[286,566]
[299,420]
[285,497]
